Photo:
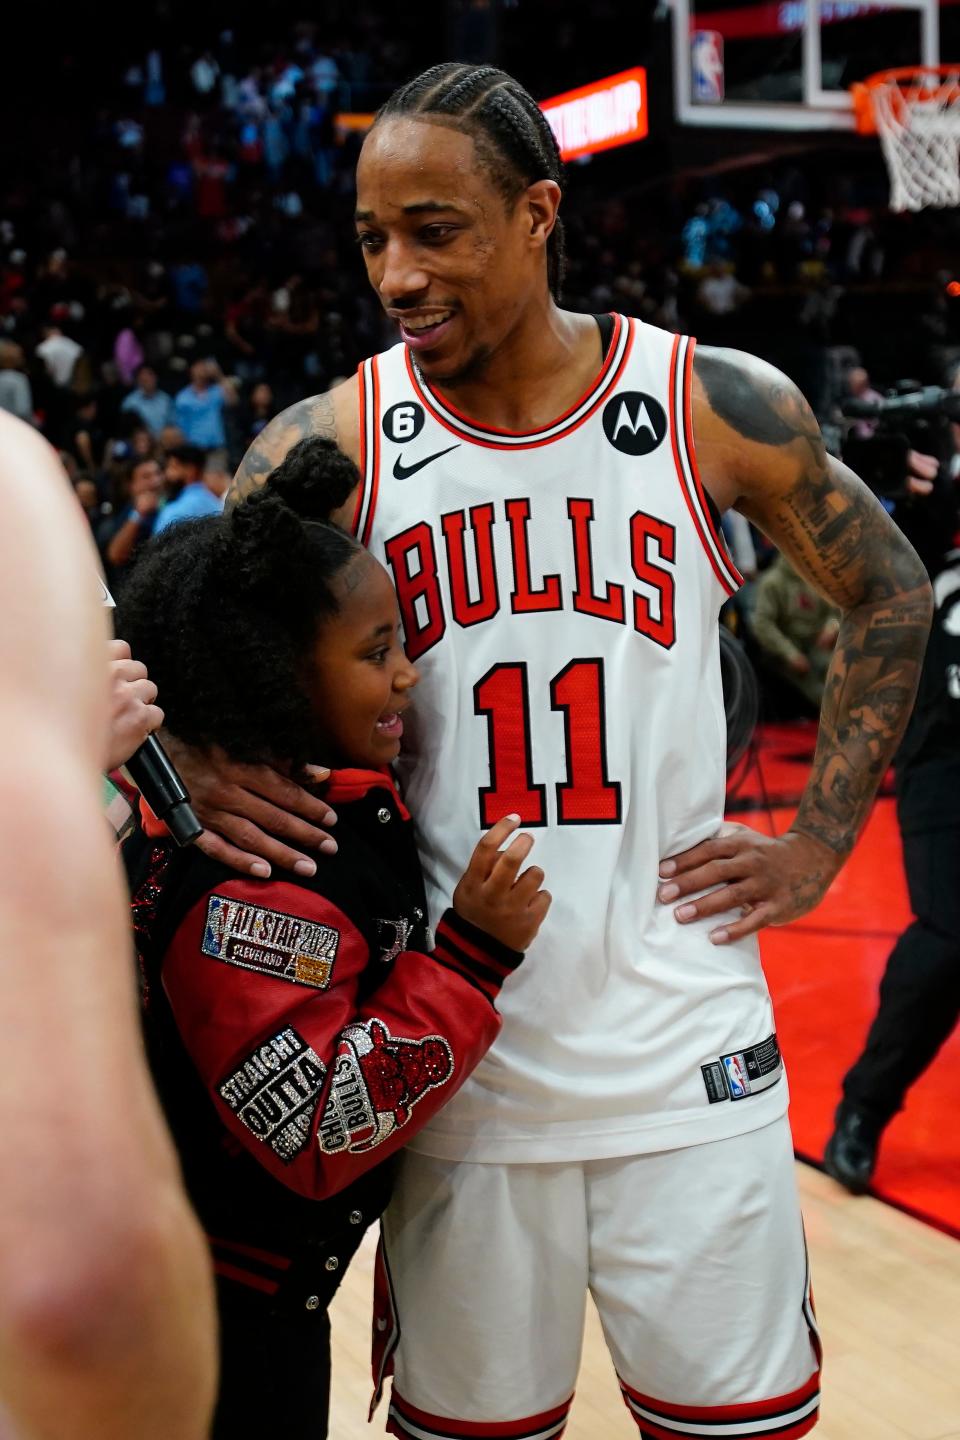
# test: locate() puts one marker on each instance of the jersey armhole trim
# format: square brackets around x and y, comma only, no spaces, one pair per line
[368,380]
[362,412]
[684,454]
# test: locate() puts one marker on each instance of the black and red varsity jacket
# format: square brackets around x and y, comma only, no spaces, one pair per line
[300,1030]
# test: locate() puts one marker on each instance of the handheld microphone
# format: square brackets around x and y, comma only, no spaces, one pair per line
[153,774]
[151,771]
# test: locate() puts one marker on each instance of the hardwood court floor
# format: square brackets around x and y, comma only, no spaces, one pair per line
[887,1290]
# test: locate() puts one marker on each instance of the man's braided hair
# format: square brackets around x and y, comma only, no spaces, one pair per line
[506,125]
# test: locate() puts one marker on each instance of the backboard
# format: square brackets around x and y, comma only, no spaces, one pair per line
[786,64]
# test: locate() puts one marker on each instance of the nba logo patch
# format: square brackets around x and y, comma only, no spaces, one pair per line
[737,1082]
[706,62]
[744,1072]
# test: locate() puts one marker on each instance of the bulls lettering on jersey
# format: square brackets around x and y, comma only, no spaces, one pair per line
[559,591]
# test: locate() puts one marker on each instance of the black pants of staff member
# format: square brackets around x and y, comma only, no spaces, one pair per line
[274,1371]
[920,991]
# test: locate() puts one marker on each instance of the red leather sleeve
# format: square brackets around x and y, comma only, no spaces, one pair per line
[263,979]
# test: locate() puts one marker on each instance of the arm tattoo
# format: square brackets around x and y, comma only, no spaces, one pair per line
[870,689]
[763,416]
[308,417]
[839,536]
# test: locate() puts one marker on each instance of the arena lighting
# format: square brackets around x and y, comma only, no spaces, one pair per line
[596,117]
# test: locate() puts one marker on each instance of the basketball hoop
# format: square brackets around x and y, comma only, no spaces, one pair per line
[916,112]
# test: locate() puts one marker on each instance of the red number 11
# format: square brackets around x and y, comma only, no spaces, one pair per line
[587,796]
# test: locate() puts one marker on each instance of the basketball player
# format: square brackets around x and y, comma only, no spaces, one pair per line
[106,1305]
[544,488]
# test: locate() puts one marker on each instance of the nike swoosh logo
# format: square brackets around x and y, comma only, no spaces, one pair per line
[403,472]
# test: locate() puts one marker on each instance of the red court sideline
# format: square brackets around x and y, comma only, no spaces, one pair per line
[824,972]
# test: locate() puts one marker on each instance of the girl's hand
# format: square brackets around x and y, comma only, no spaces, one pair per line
[495,896]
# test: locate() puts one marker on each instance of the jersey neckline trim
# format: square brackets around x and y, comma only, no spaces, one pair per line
[467,429]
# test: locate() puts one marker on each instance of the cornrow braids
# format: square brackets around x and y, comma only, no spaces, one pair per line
[505,123]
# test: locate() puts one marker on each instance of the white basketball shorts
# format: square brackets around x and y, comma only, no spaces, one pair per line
[696,1261]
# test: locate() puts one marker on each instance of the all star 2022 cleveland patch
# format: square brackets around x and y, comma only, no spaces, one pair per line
[300,951]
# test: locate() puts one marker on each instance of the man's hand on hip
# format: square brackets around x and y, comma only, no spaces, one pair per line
[770,881]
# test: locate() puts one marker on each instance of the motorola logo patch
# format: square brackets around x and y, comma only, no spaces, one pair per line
[403,422]
[634,423]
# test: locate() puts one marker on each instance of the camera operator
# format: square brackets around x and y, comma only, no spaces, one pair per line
[920,990]
[910,462]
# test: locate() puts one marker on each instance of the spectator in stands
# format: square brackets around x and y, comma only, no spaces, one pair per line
[190,285]
[136,507]
[693,237]
[291,330]
[59,354]
[189,493]
[128,351]
[216,478]
[720,293]
[170,437]
[89,500]
[198,408]
[143,446]
[794,239]
[88,440]
[16,395]
[13,279]
[244,323]
[260,408]
[60,293]
[204,72]
[153,405]
[859,388]
[795,628]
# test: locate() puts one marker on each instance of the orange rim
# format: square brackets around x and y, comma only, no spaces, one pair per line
[861,92]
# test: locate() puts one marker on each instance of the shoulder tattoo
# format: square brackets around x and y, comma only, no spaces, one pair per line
[314,416]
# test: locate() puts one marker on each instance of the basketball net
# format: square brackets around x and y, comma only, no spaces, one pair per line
[916,113]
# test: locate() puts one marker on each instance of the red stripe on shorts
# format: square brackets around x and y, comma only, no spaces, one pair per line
[445,1428]
[728,1414]
[787,1432]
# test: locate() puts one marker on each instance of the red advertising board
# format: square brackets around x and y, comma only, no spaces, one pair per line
[598,116]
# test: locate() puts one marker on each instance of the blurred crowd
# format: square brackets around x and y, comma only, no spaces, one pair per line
[182,266]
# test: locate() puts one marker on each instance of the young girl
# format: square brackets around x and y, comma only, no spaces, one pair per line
[301,1029]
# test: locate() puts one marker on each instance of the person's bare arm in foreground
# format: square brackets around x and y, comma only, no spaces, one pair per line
[106,1313]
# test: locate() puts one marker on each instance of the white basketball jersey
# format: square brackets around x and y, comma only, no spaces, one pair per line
[559,593]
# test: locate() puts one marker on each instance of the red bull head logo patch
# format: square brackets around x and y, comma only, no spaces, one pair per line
[377,1081]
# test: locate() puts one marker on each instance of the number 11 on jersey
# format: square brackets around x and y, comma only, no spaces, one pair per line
[588,796]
